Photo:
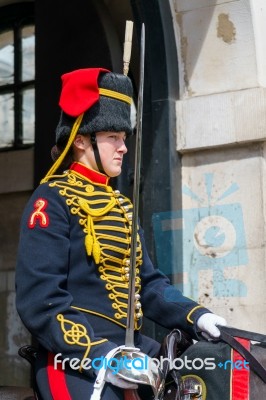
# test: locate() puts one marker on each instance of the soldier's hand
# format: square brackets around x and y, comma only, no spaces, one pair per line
[207,324]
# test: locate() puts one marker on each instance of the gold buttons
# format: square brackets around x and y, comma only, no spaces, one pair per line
[129,216]
[125,270]
[125,277]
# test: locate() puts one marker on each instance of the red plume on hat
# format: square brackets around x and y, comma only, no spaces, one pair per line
[80,90]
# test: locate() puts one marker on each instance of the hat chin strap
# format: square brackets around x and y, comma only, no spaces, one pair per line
[96,153]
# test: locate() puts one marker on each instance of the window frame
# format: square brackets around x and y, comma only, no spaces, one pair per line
[14,17]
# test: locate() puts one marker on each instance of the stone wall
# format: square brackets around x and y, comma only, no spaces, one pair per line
[221,133]
[16,174]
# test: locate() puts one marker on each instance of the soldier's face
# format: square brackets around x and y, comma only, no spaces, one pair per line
[111,147]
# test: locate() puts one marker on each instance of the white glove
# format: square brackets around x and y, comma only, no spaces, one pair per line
[115,380]
[207,324]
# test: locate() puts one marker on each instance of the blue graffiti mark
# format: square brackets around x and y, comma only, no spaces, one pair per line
[208,184]
[204,238]
[188,191]
[214,237]
[233,188]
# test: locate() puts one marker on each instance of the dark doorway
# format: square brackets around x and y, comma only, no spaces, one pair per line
[91,33]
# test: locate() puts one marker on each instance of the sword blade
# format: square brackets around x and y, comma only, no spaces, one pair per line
[132,279]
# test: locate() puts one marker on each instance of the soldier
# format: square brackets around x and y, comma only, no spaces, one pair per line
[73,258]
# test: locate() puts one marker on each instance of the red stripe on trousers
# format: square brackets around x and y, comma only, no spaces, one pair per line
[57,380]
[240,377]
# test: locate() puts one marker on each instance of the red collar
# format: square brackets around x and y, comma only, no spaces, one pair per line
[94,176]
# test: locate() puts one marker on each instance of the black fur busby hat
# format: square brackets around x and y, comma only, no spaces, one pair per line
[92,100]
[103,97]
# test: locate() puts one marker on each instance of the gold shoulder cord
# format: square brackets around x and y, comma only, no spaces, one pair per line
[71,139]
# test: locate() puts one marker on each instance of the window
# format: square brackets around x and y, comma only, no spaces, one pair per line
[17,76]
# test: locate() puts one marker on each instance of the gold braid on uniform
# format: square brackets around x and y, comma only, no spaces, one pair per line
[106,218]
[76,334]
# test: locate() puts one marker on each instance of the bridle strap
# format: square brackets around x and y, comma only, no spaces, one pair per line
[227,335]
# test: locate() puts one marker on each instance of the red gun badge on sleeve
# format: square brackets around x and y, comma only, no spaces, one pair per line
[39,215]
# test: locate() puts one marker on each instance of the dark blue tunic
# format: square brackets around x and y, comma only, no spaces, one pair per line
[72,281]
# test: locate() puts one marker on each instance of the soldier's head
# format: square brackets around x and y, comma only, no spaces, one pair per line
[95,108]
